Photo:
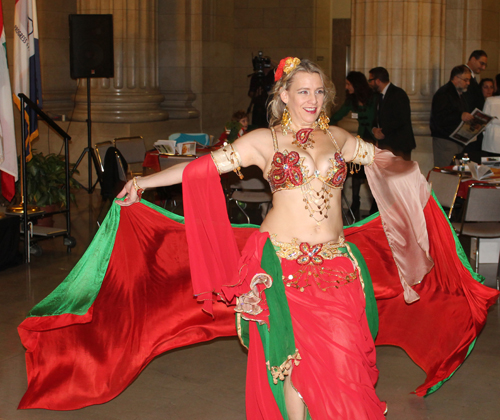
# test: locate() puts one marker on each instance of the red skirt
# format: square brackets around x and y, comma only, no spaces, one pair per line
[337,371]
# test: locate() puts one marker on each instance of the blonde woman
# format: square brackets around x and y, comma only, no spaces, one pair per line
[332,369]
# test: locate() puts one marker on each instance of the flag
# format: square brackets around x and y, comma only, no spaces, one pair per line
[27,78]
[8,153]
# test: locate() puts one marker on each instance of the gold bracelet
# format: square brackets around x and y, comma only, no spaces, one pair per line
[138,189]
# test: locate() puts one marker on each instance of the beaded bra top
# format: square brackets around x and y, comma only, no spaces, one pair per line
[288,170]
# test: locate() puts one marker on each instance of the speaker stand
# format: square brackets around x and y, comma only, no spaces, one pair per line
[89,150]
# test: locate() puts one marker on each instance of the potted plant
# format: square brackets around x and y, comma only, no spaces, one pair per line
[46,180]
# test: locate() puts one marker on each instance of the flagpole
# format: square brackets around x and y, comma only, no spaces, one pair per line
[23,207]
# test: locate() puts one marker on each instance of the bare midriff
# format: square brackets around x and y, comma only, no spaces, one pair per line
[289,218]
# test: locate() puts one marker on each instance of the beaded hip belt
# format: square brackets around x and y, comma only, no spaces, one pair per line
[310,259]
[304,253]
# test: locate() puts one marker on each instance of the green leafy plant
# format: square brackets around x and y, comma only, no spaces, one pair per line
[233,127]
[46,179]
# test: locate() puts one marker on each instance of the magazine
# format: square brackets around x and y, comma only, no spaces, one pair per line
[468,131]
[187,148]
[165,147]
[171,147]
[479,172]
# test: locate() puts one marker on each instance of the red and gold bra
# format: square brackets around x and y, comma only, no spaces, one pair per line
[288,170]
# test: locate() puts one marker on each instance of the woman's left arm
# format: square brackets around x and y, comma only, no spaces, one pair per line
[356,150]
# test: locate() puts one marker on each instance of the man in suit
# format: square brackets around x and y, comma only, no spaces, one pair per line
[393,129]
[449,109]
[478,61]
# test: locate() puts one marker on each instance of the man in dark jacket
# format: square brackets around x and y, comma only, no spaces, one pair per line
[449,109]
[393,129]
[478,61]
[474,97]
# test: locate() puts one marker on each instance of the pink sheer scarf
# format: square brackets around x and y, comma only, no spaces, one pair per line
[402,192]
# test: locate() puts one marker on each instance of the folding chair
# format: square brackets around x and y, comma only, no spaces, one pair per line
[100,151]
[445,185]
[481,216]
[253,188]
[134,151]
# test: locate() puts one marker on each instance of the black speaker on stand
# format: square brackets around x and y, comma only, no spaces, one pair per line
[91,55]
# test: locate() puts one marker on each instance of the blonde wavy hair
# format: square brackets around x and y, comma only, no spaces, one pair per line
[276,106]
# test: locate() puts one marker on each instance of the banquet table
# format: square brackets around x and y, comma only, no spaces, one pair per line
[158,162]
[467,180]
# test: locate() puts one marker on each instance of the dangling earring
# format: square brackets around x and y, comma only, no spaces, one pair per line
[286,121]
[323,120]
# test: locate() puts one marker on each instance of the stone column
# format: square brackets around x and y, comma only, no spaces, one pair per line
[179,24]
[133,95]
[407,38]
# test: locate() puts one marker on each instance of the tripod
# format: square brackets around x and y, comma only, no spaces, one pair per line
[92,157]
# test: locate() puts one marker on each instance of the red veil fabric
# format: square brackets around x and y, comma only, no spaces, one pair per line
[145,306]
[452,308]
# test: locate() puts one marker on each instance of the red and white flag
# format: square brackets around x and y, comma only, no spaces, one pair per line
[8,153]
[27,78]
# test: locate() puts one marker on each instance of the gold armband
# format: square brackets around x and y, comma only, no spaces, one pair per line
[227,159]
[364,155]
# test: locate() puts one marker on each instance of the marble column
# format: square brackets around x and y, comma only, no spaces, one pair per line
[180,46]
[133,95]
[407,37]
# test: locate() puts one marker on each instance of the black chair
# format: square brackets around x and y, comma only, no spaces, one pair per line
[114,175]
[113,178]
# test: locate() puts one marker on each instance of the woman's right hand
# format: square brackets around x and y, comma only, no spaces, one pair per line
[130,194]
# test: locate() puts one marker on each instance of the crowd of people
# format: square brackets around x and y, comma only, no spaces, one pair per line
[383,113]
[455,103]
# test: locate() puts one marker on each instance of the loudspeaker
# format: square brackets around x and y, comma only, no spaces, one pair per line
[91,46]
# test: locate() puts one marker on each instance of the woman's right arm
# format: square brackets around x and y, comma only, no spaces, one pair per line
[169,176]
[251,149]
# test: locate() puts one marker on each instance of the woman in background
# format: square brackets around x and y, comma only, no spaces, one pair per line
[491,138]
[487,87]
[360,101]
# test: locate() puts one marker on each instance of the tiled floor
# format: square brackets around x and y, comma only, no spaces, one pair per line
[207,381]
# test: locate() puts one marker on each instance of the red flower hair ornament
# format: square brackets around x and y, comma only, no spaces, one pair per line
[286,66]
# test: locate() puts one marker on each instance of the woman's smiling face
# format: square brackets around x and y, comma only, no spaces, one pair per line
[304,98]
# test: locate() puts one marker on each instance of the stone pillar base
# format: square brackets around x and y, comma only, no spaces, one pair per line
[179,104]
[129,107]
